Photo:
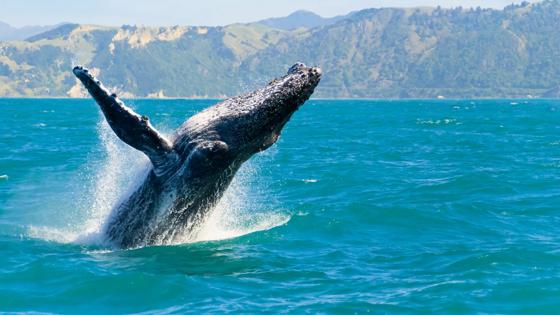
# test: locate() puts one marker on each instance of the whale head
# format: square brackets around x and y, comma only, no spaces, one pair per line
[231,132]
[259,117]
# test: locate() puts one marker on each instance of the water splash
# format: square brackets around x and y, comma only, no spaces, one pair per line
[106,180]
[239,212]
[122,169]
[115,178]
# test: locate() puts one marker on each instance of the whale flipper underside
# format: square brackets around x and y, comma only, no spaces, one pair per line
[132,128]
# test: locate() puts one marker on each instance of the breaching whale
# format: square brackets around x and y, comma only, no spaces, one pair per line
[191,169]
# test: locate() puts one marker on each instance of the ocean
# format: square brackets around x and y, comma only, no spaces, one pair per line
[363,206]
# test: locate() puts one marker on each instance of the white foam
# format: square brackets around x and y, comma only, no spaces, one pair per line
[222,225]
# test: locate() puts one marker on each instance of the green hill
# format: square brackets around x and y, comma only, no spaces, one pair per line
[377,53]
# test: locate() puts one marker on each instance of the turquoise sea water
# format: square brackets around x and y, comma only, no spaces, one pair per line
[362,206]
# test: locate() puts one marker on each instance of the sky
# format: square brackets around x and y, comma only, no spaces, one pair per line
[194,12]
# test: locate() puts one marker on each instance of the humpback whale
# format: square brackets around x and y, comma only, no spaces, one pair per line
[191,169]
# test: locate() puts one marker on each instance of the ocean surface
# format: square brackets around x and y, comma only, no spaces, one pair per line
[417,206]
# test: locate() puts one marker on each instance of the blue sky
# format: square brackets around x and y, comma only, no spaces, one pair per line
[191,12]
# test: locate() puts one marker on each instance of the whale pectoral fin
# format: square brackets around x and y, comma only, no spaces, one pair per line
[209,155]
[133,129]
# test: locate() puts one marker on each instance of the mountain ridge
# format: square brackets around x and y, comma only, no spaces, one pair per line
[301,19]
[373,53]
[8,32]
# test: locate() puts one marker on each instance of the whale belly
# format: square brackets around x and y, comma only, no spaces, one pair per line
[133,219]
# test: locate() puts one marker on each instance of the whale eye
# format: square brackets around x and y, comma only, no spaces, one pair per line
[208,156]
[213,149]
